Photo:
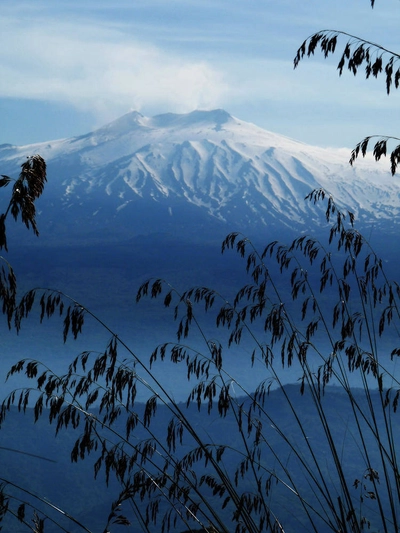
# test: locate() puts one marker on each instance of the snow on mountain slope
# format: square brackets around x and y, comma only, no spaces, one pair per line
[138,173]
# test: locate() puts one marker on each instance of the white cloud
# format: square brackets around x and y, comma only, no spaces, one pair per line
[100,70]
[106,57]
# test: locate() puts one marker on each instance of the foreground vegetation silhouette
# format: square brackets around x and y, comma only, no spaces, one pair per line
[374,60]
[337,321]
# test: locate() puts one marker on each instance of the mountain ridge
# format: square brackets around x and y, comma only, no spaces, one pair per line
[199,169]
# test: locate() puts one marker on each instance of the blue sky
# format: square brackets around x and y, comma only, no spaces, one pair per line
[67,67]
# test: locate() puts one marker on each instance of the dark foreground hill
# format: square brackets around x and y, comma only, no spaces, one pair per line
[70,486]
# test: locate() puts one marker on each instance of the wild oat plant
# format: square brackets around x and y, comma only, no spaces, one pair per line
[25,190]
[318,456]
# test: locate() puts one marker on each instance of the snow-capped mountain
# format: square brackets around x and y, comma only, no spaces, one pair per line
[190,173]
[154,197]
